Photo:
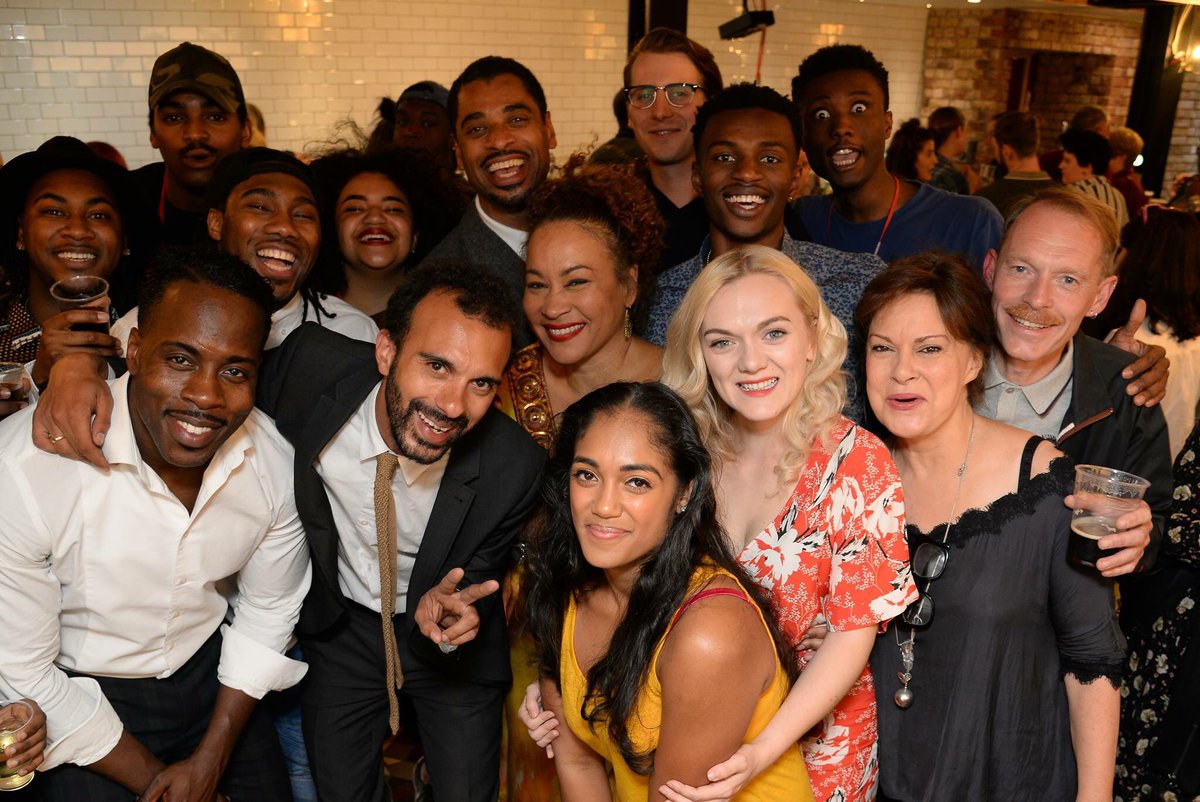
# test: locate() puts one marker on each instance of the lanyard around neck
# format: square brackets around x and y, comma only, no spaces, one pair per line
[886,223]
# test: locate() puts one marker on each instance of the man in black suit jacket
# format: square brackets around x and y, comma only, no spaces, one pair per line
[442,356]
[502,140]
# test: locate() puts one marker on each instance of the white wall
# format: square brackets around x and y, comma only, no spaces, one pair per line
[80,67]
[895,33]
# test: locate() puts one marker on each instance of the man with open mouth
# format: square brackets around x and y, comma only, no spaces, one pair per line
[502,140]
[113,617]
[842,94]
[747,143]
[262,208]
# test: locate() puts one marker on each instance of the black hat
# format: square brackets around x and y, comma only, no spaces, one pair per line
[197,69]
[426,90]
[237,167]
[18,176]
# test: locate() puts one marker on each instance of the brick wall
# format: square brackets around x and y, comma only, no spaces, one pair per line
[968,59]
[1182,156]
[80,67]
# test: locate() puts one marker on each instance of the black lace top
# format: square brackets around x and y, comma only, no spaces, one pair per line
[989,718]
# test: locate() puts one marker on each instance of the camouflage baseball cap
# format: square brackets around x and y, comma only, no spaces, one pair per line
[197,69]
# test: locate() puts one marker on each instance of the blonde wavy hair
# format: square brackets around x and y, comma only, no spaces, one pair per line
[823,394]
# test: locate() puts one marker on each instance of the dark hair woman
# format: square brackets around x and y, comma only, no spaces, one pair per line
[382,212]
[594,239]
[640,610]
[911,153]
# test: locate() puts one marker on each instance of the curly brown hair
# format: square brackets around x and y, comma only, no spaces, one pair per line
[612,200]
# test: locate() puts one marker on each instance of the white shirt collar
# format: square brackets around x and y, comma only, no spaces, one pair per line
[513,237]
[121,448]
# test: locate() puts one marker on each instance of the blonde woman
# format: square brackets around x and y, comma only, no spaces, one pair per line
[811,502]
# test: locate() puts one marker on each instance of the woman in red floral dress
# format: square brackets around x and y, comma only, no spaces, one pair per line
[812,502]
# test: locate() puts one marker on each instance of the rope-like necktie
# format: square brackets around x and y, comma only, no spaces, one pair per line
[385,469]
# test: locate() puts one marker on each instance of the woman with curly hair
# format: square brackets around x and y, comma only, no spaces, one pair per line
[381,213]
[594,239]
[911,153]
[641,610]
[810,502]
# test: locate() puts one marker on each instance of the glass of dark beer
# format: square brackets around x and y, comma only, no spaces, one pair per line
[78,292]
[1104,494]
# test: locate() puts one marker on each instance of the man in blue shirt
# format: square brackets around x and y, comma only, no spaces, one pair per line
[842,94]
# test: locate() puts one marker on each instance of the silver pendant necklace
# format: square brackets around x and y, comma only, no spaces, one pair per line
[904,695]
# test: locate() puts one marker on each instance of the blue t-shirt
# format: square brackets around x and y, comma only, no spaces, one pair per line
[932,219]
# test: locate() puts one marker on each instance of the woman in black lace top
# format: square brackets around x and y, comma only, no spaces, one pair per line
[1000,682]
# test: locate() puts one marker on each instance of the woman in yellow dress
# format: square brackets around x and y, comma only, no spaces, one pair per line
[640,610]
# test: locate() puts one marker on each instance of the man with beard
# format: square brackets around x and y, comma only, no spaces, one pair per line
[113,613]
[197,117]
[747,143]
[502,140]
[1055,266]
[262,208]
[842,94]
[446,520]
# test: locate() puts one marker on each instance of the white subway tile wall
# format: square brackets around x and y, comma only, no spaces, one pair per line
[81,67]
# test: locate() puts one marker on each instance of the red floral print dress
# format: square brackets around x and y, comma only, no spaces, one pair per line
[837,548]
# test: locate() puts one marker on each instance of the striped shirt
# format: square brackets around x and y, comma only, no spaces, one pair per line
[1098,187]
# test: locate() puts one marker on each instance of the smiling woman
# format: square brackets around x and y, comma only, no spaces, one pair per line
[381,213]
[65,212]
[640,609]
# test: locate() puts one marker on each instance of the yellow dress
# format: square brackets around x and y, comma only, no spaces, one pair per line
[785,781]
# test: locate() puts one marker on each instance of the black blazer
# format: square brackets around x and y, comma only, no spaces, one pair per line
[473,242]
[311,385]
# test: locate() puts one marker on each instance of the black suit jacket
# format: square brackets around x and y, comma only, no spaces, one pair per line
[311,385]
[473,242]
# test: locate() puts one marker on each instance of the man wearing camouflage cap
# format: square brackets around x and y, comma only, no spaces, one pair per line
[197,117]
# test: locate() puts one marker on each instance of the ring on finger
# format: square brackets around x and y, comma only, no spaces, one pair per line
[53,438]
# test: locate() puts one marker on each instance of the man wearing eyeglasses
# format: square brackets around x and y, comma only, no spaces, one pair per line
[668,77]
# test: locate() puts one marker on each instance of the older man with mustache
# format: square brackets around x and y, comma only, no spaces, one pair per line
[1055,265]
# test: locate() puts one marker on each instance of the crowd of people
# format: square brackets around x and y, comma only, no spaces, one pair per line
[638,477]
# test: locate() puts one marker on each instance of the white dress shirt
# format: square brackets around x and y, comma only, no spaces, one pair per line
[109,574]
[346,320]
[513,237]
[347,467]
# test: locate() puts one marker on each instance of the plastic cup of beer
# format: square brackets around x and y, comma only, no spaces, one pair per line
[15,718]
[77,292]
[1103,495]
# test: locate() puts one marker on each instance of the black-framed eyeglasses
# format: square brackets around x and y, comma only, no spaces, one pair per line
[678,95]
[928,562]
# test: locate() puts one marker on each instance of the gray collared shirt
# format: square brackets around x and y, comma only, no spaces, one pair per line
[1040,407]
